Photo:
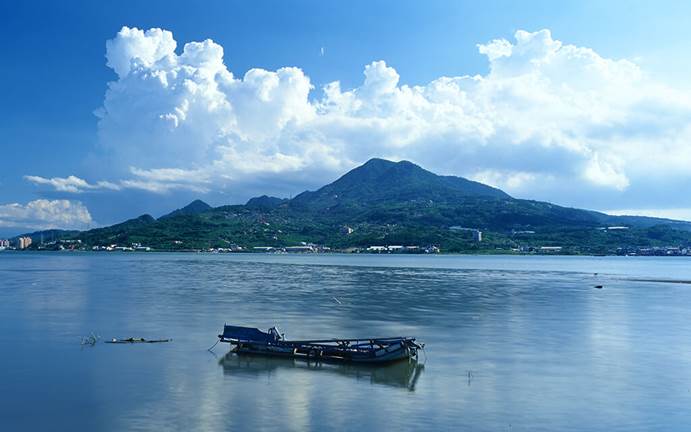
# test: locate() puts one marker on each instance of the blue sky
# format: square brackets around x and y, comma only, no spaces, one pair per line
[599,149]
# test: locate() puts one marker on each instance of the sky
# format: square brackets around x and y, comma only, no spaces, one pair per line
[110,110]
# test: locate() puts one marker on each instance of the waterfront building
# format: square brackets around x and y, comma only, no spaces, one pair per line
[23,242]
[550,249]
[377,249]
[263,248]
[304,248]
[476,233]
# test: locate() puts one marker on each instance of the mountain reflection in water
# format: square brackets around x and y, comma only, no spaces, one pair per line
[403,374]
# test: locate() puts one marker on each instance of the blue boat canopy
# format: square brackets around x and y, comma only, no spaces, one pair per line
[246,334]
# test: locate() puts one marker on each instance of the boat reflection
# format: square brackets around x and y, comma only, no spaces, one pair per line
[403,374]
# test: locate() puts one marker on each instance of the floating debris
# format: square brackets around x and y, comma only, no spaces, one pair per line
[90,340]
[598,286]
[137,340]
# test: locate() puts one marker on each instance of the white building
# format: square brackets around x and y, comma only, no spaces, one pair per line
[377,249]
[23,242]
[550,249]
[477,234]
[304,248]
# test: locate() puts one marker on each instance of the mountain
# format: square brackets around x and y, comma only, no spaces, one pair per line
[381,181]
[395,203]
[116,233]
[195,207]
[50,235]
[264,202]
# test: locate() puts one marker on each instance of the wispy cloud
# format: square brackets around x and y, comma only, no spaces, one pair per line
[71,184]
[156,180]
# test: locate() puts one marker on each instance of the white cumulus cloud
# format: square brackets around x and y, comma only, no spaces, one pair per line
[546,115]
[46,214]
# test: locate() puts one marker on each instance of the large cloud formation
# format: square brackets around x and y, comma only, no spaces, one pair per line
[46,214]
[547,118]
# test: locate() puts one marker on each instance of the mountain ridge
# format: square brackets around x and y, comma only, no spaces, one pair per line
[385,202]
[380,180]
[265,202]
[195,207]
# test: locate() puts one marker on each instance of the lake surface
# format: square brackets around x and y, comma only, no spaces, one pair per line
[512,343]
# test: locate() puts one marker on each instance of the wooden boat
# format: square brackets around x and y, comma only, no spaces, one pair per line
[248,340]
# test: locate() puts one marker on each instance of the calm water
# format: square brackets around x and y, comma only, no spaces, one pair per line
[513,343]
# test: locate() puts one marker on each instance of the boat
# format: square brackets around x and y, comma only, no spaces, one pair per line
[252,341]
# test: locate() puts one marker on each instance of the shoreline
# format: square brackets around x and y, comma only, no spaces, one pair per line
[343,253]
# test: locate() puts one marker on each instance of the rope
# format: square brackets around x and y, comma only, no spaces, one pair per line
[213,346]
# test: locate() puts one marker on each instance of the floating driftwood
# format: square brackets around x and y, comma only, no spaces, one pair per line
[137,340]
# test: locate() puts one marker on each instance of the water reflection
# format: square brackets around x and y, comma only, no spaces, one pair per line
[509,350]
[403,374]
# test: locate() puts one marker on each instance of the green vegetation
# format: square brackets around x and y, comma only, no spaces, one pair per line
[387,203]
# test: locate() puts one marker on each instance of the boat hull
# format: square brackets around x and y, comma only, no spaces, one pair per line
[252,341]
[387,354]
